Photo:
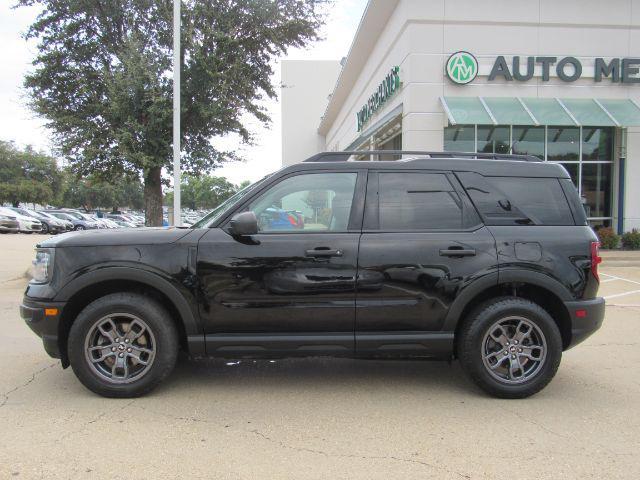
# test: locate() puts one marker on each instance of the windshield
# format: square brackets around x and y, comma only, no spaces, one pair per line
[217,212]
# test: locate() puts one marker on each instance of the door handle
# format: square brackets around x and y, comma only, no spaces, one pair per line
[457,252]
[323,252]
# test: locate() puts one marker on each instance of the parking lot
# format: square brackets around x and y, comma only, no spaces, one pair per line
[322,418]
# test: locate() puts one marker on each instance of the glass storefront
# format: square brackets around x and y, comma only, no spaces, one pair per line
[586,153]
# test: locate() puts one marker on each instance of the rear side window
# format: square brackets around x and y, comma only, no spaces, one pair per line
[518,200]
[418,201]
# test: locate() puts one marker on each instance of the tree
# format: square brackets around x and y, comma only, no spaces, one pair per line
[102,82]
[27,176]
[93,192]
[203,192]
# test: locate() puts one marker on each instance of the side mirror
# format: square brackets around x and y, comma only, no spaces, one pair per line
[243,224]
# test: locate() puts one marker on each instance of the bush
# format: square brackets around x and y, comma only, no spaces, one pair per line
[631,240]
[608,238]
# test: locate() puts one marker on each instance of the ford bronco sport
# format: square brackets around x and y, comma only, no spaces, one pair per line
[485,258]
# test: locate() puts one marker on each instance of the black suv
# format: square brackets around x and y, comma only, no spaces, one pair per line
[484,258]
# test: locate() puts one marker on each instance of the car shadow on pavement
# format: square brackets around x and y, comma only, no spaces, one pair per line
[319,373]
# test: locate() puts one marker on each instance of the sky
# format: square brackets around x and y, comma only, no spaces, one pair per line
[20,125]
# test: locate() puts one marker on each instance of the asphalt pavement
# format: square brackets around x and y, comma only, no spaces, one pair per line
[321,418]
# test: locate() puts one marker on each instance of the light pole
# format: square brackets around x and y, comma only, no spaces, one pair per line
[177,217]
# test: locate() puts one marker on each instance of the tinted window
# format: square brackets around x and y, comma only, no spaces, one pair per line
[540,199]
[418,201]
[311,202]
[518,200]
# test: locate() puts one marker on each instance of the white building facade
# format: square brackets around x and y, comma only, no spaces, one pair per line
[558,79]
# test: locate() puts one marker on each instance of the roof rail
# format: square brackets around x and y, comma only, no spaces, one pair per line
[344,156]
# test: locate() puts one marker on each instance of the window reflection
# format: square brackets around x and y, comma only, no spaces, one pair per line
[596,188]
[528,141]
[493,139]
[597,143]
[563,144]
[460,138]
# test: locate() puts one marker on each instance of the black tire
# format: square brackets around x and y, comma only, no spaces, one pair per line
[79,227]
[45,228]
[158,321]
[475,331]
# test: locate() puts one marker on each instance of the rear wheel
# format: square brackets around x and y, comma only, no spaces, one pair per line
[45,228]
[123,345]
[510,347]
[79,227]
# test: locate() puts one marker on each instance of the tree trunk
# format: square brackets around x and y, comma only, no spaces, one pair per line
[15,203]
[153,197]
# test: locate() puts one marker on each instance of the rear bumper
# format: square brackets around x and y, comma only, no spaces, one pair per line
[584,324]
[45,326]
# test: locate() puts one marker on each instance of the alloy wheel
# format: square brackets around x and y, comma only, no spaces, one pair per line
[514,350]
[120,348]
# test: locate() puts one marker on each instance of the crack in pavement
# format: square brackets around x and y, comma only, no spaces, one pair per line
[95,419]
[33,377]
[364,457]
[304,449]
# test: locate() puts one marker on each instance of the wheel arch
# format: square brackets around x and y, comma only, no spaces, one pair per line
[89,287]
[549,294]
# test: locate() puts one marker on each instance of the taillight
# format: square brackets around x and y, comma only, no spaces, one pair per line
[596,259]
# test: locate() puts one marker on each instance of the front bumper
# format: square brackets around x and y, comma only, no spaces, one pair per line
[586,317]
[44,325]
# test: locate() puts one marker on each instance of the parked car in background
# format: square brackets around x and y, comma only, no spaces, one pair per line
[8,224]
[26,224]
[109,223]
[67,224]
[128,220]
[79,223]
[49,225]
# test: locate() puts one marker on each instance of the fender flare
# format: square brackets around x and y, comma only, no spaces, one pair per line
[189,320]
[494,279]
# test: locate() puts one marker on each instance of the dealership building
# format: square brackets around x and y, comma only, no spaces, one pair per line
[557,79]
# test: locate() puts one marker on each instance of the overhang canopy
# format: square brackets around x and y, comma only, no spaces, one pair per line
[588,112]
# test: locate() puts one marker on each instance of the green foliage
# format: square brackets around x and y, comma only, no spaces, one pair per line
[92,192]
[204,192]
[27,176]
[631,240]
[608,238]
[102,79]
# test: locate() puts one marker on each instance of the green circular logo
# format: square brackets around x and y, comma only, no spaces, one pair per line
[462,67]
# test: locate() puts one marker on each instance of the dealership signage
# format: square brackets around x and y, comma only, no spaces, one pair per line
[389,86]
[462,68]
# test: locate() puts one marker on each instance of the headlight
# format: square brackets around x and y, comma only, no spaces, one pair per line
[43,265]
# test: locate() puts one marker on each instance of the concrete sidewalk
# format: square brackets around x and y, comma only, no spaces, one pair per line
[620,258]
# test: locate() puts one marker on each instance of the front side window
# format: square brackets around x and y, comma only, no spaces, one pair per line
[418,201]
[315,202]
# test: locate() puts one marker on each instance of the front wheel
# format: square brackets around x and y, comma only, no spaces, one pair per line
[79,227]
[510,347]
[123,345]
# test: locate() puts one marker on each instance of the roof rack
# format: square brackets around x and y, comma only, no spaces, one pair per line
[344,156]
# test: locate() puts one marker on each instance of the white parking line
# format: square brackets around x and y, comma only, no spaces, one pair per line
[613,277]
[621,294]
